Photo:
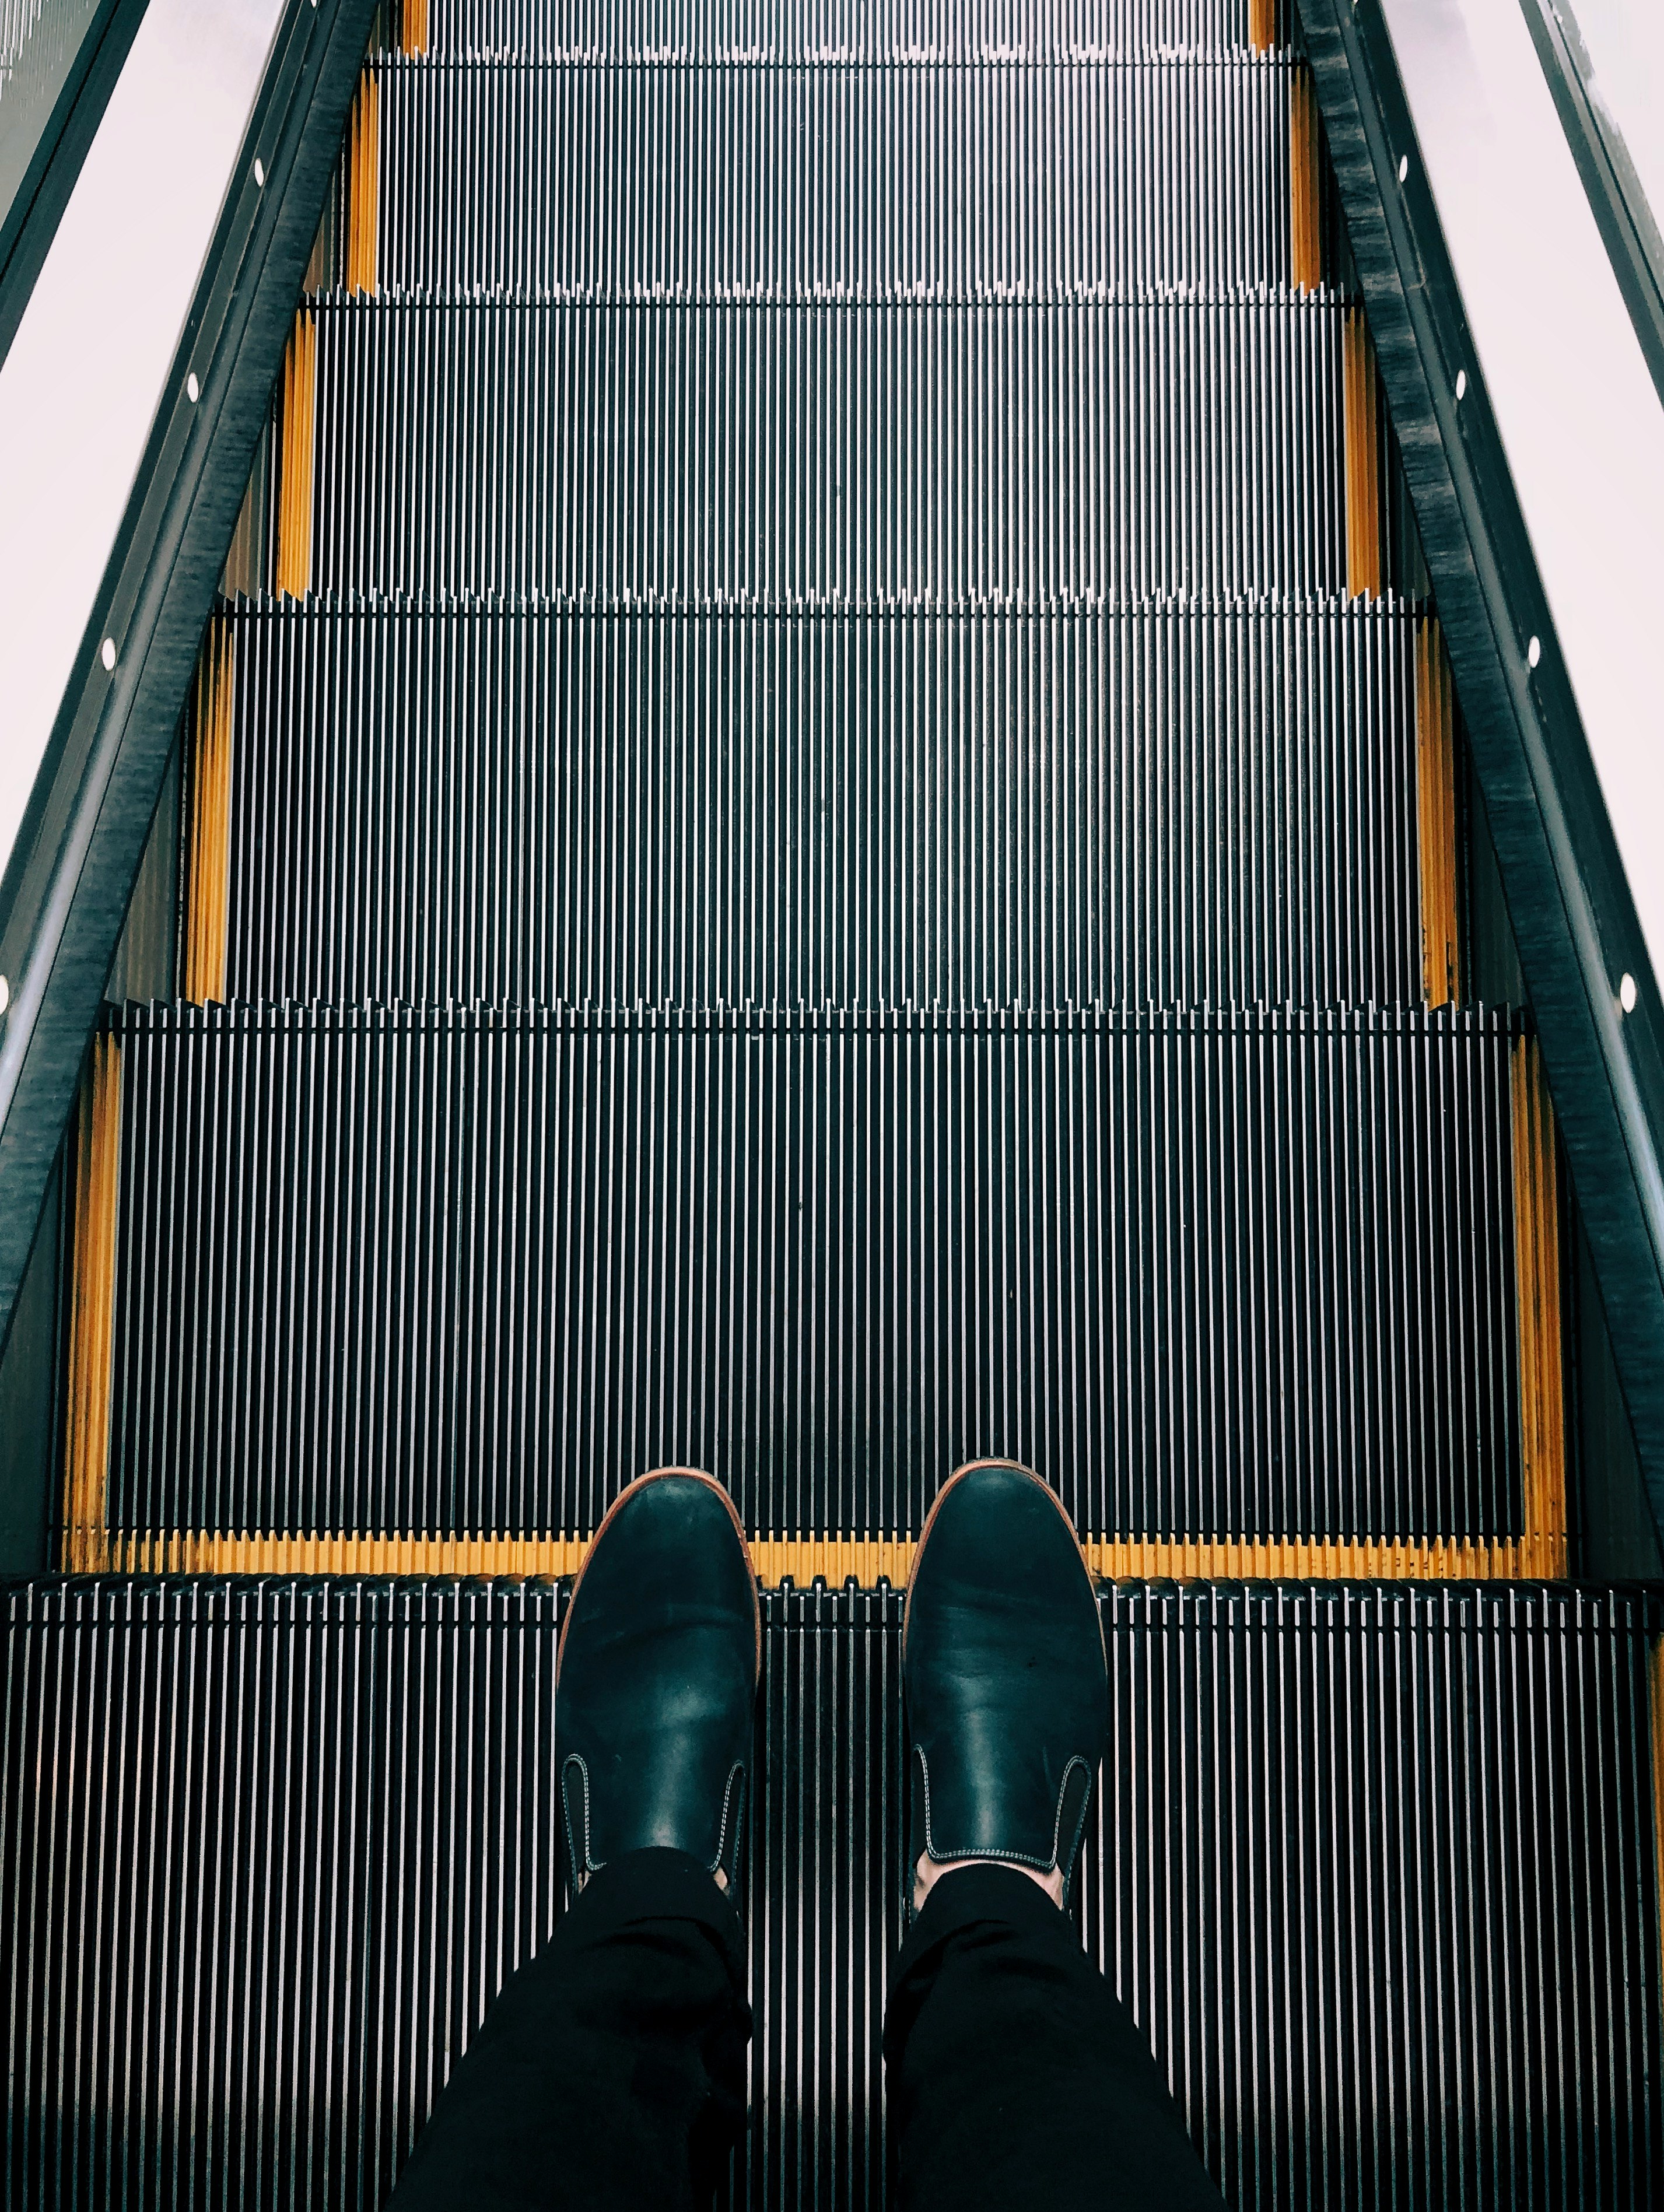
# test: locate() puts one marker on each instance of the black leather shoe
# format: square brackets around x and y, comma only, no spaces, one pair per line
[1007,1688]
[656,1679]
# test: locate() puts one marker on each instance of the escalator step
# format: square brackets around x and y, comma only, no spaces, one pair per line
[1372,1869]
[426,1272]
[576,31]
[903,176]
[479,807]
[957,457]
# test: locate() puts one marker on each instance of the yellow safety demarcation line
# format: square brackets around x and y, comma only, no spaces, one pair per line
[1361,394]
[1305,185]
[833,1559]
[1537,1297]
[1435,815]
[296,443]
[413,28]
[1262,25]
[96,1172]
[363,179]
[207,888]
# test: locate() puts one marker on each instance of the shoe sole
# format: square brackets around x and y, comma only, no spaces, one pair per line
[975,1466]
[641,1481]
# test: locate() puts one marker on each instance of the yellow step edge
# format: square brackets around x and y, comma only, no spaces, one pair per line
[868,1560]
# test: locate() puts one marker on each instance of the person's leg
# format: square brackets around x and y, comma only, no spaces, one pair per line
[1015,2077]
[611,2070]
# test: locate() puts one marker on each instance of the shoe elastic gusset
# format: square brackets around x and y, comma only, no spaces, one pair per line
[656,1680]
[1006,1683]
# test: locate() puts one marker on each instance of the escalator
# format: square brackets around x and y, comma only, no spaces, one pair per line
[823,828]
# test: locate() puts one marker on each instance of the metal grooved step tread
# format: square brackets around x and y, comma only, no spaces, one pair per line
[1241,1277]
[472,805]
[948,458]
[579,31]
[1373,1869]
[903,178]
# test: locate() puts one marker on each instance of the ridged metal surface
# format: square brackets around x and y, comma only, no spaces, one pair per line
[861,810]
[903,179]
[797,30]
[1373,1869]
[1239,1278]
[956,456]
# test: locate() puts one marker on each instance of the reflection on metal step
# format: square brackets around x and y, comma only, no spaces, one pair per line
[361,220]
[1537,1304]
[1364,417]
[1305,185]
[907,178]
[92,1218]
[479,808]
[206,880]
[296,453]
[412,16]
[1239,1278]
[1436,817]
[1374,1870]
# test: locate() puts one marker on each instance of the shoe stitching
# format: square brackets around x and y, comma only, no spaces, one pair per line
[589,1867]
[737,1768]
[1015,1858]
[576,1758]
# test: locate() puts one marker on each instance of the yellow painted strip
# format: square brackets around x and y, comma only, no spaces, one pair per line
[1302,1558]
[97,1180]
[1537,1297]
[1436,799]
[1262,25]
[363,175]
[1360,391]
[296,444]
[867,1560]
[208,840]
[1305,185]
[413,27]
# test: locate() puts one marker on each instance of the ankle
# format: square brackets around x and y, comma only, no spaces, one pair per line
[927,1873]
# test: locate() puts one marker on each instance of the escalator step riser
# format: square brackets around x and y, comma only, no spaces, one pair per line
[887,456]
[418,1274]
[1046,811]
[792,30]
[885,181]
[268,1850]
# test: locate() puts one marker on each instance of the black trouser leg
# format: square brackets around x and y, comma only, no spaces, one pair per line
[1016,2077]
[610,2071]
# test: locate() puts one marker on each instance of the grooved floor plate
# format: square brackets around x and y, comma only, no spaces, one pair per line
[468,805]
[1373,1869]
[1235,1277]
[906,178]
[576,31]
[986,459]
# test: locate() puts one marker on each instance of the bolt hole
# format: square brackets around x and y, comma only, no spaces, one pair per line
[260,174]
[193,389]
[1461,383]
[1403,167]
[1626,995]
[1533,652]
[108,653]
